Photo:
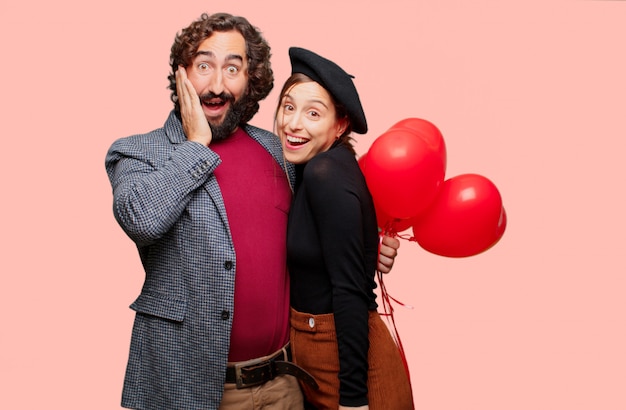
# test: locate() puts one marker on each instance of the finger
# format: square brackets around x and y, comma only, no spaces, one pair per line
[182,89]
[192,96]
[180,92]
[179,82]
[391,242]
[385,264]
[388,251]
[192,100]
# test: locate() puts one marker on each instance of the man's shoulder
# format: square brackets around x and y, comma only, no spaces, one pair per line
[169,132]
[258,132]
[268,140]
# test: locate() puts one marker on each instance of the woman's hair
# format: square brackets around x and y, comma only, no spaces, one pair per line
[260,74]
[340,110]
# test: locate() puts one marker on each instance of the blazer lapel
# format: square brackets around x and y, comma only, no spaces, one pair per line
[174,131]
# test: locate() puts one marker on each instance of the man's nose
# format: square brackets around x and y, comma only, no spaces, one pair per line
[216,82]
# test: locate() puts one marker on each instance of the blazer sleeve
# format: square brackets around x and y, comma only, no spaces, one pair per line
[153,180]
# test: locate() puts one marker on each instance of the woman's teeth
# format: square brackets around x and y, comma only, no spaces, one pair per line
[296,140]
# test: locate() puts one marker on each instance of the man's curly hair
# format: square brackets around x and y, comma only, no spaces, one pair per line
[260,74]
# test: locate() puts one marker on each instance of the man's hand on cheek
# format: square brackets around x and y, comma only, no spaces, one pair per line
[195,124]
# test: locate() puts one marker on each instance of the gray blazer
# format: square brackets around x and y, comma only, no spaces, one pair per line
[167,200]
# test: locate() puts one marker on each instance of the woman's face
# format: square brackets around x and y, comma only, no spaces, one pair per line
[306,122]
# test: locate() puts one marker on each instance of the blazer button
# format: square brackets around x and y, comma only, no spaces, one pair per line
[228,265]
[225,315]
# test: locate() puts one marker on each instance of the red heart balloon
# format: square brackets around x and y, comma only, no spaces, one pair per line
[391,225]
[427,130]
[386,223]
[466,218]
[403,173]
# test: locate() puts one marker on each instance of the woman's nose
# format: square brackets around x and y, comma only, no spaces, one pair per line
[295,122]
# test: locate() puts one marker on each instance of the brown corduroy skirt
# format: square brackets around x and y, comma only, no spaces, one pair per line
[314,347]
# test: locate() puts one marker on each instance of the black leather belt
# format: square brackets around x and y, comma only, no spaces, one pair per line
[254,372]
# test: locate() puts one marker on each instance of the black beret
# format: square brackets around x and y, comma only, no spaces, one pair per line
[334,79]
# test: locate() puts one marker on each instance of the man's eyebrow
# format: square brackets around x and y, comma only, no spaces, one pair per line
[209,53]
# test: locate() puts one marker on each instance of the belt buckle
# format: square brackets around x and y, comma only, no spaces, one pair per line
[255,365]
[243,366]
[238,377]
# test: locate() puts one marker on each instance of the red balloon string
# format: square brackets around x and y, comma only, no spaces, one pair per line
[388,310]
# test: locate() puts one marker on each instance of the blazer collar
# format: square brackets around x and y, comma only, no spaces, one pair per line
[174,131]
[174,128]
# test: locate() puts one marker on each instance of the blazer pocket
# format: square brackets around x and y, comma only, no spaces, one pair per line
[160,306]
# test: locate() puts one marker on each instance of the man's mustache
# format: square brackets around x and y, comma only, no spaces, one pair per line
[206,98]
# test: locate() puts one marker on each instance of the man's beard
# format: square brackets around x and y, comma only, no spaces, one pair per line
[233,116]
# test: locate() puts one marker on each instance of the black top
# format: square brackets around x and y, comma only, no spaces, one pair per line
[332,250]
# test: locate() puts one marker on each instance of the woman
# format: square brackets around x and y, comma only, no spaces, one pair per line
[332,245]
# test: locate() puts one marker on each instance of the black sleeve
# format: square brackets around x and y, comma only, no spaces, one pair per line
[336,206]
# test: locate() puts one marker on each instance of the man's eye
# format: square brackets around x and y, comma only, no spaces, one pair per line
[232,70]
[203,66]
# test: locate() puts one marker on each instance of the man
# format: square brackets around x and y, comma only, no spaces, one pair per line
[205,198]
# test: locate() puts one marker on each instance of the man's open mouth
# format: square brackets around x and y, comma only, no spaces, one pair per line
[214,102]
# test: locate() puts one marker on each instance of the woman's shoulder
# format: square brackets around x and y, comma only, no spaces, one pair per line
[330,165]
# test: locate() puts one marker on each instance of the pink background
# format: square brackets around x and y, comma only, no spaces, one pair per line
[531,95]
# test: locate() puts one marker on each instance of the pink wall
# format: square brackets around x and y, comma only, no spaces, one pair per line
[531,95]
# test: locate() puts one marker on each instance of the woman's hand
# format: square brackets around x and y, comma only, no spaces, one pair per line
[387,253]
